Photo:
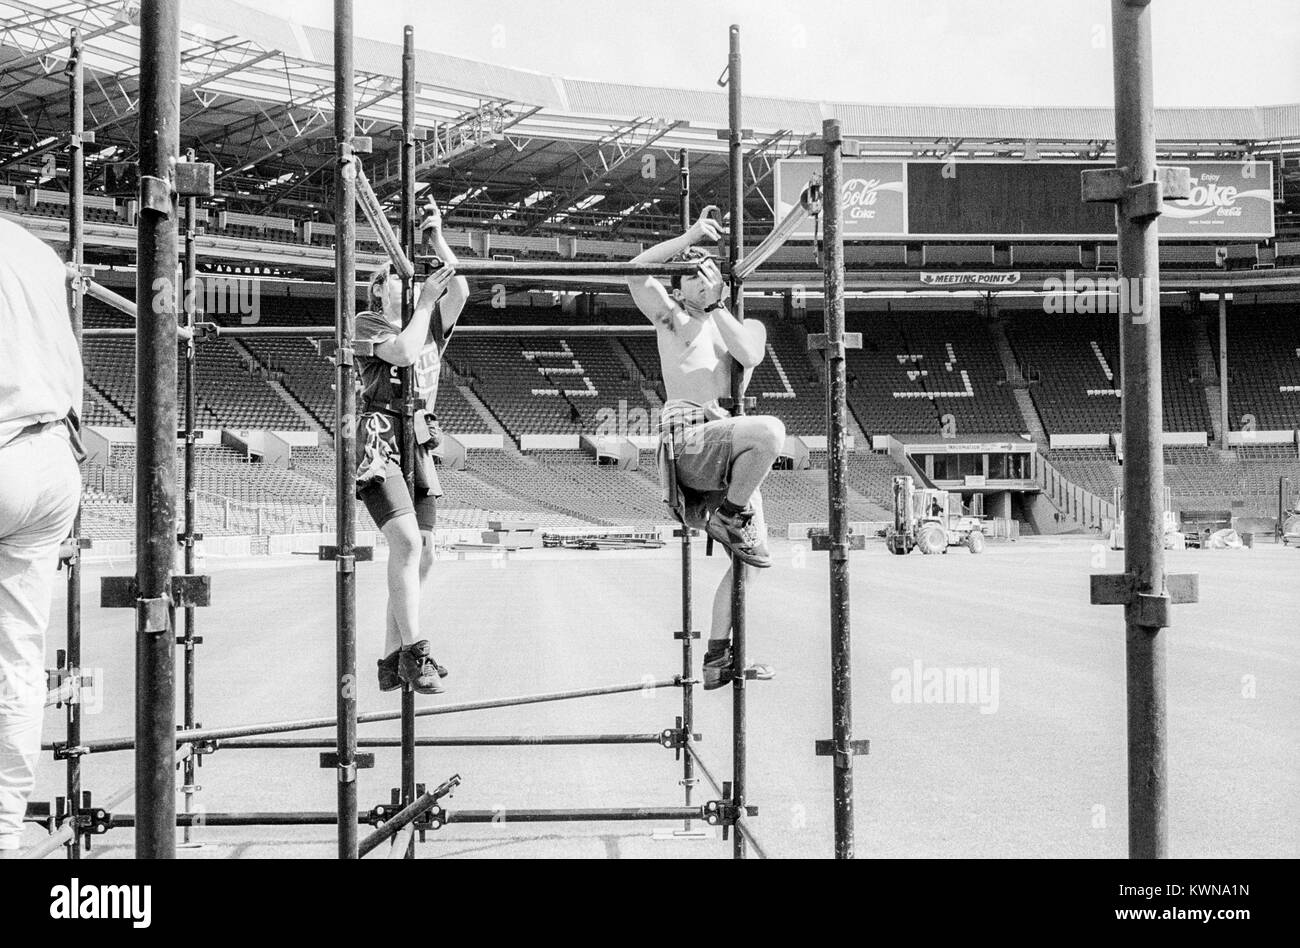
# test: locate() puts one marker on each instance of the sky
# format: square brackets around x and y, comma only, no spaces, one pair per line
[933,52]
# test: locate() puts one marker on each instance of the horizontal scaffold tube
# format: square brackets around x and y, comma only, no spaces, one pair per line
[593,815]
[506,269]
[503,740]
[371,717]
[498,815]
[323,332]
[254,818]
[63,835]
[105,295]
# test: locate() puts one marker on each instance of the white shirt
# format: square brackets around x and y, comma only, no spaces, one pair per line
[40,367]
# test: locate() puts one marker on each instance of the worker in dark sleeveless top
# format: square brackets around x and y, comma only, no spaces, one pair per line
[406,522]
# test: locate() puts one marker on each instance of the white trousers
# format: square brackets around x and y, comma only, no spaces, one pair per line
[40,486]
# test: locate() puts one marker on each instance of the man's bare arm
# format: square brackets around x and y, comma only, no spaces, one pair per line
[746,341]
[649,293]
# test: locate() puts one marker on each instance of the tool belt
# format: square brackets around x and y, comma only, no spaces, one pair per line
[427,430]
[379,440]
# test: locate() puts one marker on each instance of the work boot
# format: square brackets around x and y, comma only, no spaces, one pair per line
[720,669]
[415,667]
[388,677]
[738,534]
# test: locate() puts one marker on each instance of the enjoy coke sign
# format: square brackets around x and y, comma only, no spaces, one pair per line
[1228,199]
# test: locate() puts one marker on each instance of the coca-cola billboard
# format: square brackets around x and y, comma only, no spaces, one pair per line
[1228,199]
[875,195]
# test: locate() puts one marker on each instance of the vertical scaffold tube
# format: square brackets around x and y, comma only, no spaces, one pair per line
[688,619]
[836,481]
[155,468]
[76,256]
[737,247]
[189,642]
[1144,557]
[407,238]
[345,431]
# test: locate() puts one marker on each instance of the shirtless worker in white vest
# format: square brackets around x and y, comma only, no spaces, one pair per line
[721,460]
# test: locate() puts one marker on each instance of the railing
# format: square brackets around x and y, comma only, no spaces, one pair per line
[266,517]
[1076,503]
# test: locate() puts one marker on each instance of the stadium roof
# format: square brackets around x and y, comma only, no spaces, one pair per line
[508,148]
[557,94]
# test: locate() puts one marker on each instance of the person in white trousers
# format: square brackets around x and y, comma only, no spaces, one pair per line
[40,487]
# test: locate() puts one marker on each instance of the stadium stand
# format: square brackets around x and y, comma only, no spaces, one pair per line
[1093,469]
[1073,364]
[872,475]
[570,483]
[786,384]
[547,384]
[1263,368]
[914,370]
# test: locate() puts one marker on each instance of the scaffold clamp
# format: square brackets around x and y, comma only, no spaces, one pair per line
[360,554]
[842,755]
[121,592]
[361,761]
[675,738]
[1140,200]
[1120,589]
[726,812]
[195,178]
[822,341]
[822,541]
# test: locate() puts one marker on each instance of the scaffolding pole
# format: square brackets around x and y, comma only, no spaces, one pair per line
[103,294]
[345,407]
[407,375]
[200,735]
[1137,187]
[507,269]
[76,257]
[688,634]
[188,641]
[841,747]
[737,228]
[155,473]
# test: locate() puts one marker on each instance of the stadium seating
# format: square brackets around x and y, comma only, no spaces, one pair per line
[549,384]
[1263,368]
[1073,360]
[872,475]
[913,370]
[570,483]
[786,384]
[1093,469]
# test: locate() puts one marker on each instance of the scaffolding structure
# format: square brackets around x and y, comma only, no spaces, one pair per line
[1136,186]
[156,593]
